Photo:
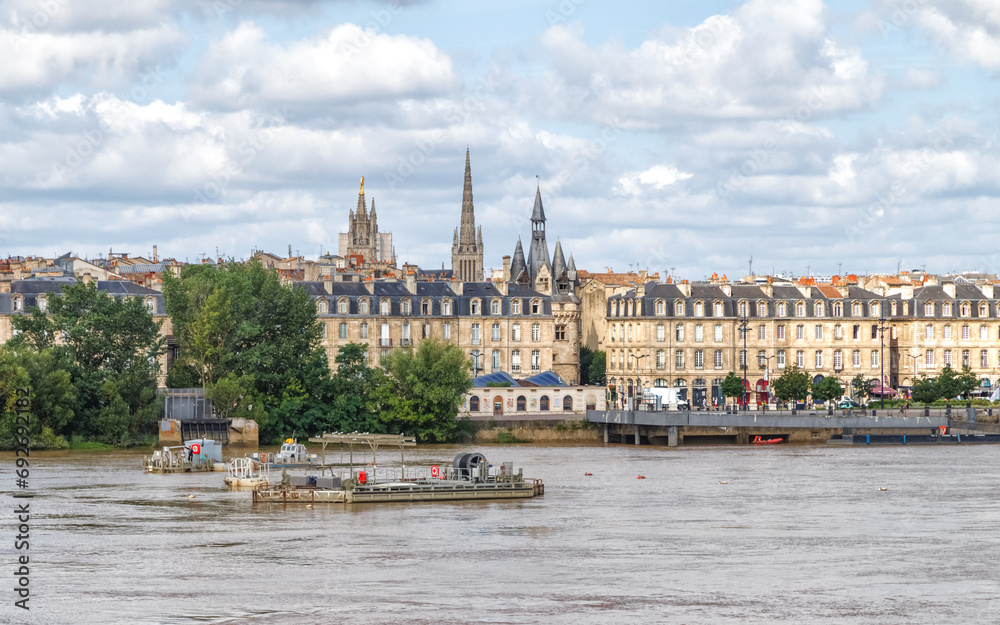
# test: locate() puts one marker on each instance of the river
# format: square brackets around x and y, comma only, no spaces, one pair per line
[795,535]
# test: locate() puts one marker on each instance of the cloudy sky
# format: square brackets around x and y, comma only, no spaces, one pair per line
[846,137]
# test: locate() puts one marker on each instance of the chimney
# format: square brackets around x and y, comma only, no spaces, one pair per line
[369,286]
[328,284]
[154,254]
[987,290]
[411,282]
[87,278]
[727,289]
[685,288]
[949,289]
[506,268]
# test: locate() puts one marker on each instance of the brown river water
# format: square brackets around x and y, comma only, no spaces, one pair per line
[796,535]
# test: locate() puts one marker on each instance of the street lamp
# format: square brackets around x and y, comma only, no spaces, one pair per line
[882,325]
[914,381]
[638,381]
[767,371]
[744,322]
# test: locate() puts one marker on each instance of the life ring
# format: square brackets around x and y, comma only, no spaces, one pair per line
[263,457]
[435,470]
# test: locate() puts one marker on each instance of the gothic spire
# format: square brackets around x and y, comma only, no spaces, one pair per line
[468,233]
[558,262]
[362,209]
[571,269]
[517,264]
[538,214]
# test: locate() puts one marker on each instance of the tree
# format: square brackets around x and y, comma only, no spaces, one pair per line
[233,398]
[862,389]
[925,390]
[424,390]
[948,384]
[967,382]
[827,389]
[792,384]
[732,386]
[586,357]
[354,385]
[598,368]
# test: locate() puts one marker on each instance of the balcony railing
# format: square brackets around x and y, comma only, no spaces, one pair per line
[385,342]
[404,342]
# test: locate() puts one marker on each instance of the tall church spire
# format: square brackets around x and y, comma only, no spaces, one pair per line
[467,250]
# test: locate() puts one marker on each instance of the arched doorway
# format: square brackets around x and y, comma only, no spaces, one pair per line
[473,404]
[681,385]
[498,405]
[699,392]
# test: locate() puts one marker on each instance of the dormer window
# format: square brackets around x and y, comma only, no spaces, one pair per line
[781,309]
[875,309]
[425,307]
[384,306]
[699,309]
[679,309]
[363,306]
[446,307]
[495,307]
[984,310]
[43,303]
[536,307]
[660,307]
[946,309]
[718,309]
[404,307]
[856,309]
[17,304]
[743,309]
[818,309]
[929,309]
[475,307]
[342,306]
[838,309]
[150,304]
[800,309]
[761,309]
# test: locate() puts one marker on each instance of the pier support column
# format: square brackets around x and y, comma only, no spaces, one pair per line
[606,437]
[637,435]
[672,436]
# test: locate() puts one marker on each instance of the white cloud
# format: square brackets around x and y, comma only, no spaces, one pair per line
[657,177]
[345,65]
[968,29]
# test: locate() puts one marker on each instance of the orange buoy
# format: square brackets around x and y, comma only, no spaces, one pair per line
[641,477]
[588,473]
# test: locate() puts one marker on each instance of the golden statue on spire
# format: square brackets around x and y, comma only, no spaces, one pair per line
[362,184]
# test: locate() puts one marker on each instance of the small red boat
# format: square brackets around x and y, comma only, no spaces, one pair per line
[770,441]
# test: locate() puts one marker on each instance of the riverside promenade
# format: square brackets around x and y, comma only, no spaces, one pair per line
[674,428]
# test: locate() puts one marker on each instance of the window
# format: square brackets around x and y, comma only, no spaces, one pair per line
[475,334]
[567,402]
[800,359]
[856,332]
[946,309]
[150,304]
[781,309]
[342,330]
[875,357]
[874,331]
[614,331]
[965,358]
[762,332]
[515,361]
[984,359]
[679,332]
[425,331]
[800,309]
[699,359]
[892,308]
[342,306]
[613,352]
[965,310]
[475,307]
[536,361]
[406,334]
[781,359]
[515,332]
[446,307]
[819,359]
[473,404]
[761,309]
[947,332]
[929,331]
[560,333]
[322,331]
[629,332]
[536,332]
[660,307]
[874,309]
[819,332]
[781,332]
[929,309]
[761,358]
[965,333]
[743,309]
[929,358]
[818,309]
[384,307]
[947,357]
[697,333]
[495,307]
[800,331]
[404,307]
[838,309]
[425,307]
[718,333]
[679,309]
[856,309]
[364,330]
[446,331]
[521,403]
[838,360]
[659,333]
[718,309]
[982,333]
[856,359]
[718,359]
[661,359]
[515,307]
[16,303]
[699,309]
[679,359]
[838,332]
[495,332]
[743,358]
[495,360]
[363,307]
[543,402]
[536,307]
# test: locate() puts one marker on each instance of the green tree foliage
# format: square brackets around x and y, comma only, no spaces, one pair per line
[586,357]
[967,382]
[354,401]
[792,384]
[597,371]
[233,397]
[827,389]
[925,390]
[239,320]
[861,386]
[108,347]
[732,386]
[424,390]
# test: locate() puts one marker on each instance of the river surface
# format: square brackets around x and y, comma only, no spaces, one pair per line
[795,535]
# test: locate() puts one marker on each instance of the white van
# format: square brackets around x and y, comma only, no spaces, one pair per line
[663,398]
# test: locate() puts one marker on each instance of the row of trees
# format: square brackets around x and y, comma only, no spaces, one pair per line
[90,363]
[593,366]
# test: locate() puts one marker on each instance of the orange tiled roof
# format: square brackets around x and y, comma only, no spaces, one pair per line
[829,291]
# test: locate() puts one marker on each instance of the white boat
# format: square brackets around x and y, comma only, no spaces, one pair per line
[291,454]
[247,472]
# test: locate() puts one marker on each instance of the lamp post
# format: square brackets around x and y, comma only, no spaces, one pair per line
[882,325]
[914,359]
[638,381]
[767,370]
[744,322]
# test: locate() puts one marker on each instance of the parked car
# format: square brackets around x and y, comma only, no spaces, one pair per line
[846,404]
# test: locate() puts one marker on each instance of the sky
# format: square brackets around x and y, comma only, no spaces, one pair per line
[680,137]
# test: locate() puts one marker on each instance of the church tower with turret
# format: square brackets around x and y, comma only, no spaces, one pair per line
[467,248]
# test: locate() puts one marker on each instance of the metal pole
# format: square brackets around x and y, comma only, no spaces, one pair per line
[744,324]
[881,357]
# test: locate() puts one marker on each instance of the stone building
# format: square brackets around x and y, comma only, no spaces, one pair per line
[688,336]
[467,249]
[363,242]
